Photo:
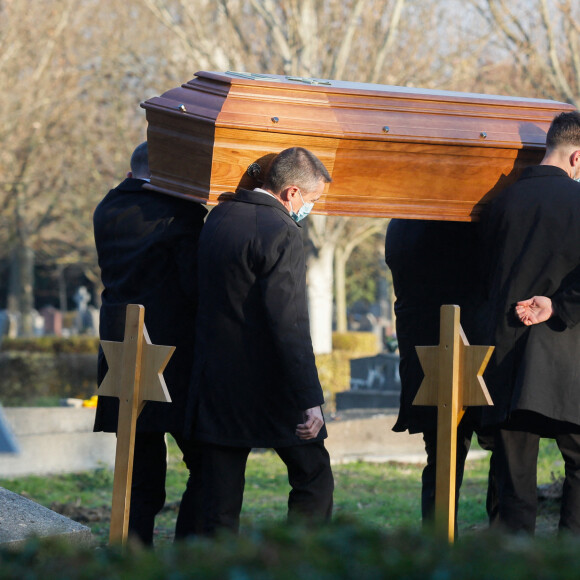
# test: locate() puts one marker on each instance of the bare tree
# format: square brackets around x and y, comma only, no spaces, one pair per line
[381,41]
[70,85]
[533,47]
[29,128]
[72,76]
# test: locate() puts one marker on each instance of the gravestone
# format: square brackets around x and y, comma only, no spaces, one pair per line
[84,320]
[37,323]
[52,320]
[93,321]
[374,383]
[7,440]
[13,324]
[4,323]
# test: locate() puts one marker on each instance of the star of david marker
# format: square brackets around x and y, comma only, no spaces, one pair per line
[135,377]
[453,380]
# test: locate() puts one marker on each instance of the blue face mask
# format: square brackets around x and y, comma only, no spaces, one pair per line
[303,211]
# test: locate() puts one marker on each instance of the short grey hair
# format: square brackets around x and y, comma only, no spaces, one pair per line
[296,166]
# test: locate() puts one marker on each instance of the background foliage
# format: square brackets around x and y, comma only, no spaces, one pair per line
[72,76]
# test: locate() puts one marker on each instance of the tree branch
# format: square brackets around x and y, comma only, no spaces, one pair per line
[559,78]
[267,10]
[388,40]
[338,66]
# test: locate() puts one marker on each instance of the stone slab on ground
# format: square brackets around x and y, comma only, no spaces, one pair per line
[55,440]
[21,518]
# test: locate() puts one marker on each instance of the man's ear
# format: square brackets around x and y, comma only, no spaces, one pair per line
[574,158]
[289,193]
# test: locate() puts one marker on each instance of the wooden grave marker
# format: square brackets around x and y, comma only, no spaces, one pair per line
[453,380]
[135,377]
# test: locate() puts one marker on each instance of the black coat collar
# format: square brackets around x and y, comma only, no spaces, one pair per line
[259,198]
[543,171]
[131,184]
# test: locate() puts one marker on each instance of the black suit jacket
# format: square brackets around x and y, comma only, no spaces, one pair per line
[254,372]
[531,246]
[147,250]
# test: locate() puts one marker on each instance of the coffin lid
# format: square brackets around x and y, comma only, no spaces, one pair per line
[459,118]
[355,128]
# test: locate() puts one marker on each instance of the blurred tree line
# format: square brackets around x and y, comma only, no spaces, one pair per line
[73,72]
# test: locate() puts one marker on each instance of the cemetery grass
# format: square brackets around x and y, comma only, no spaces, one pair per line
[381,495]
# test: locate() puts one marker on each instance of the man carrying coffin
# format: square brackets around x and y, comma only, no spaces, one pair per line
[531,248]
[255,381]
[434,263]
[147,249]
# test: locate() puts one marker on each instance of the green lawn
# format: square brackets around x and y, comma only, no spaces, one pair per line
[385,495]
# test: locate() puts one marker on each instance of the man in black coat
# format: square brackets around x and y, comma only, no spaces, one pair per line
[433,263]
[147,250]
[255,379]
[531,247]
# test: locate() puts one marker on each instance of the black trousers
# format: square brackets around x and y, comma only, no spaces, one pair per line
[309,474]
[465,432]
[148,487]
[517,458]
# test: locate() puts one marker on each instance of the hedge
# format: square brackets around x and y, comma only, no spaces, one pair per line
[38,379]
[52,345]
[355,343]
[341,550]
[36,370]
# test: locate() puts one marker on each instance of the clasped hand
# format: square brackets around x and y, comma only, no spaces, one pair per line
[313,422]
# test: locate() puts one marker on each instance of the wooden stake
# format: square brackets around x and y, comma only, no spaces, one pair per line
[453,380]
[134,376]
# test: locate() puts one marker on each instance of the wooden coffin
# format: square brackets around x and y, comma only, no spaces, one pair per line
[391,151]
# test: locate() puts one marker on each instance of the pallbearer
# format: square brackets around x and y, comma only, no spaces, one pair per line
[147,249]
[532,240]
[433,263]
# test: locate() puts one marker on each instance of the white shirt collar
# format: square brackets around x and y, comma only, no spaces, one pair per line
[260,190]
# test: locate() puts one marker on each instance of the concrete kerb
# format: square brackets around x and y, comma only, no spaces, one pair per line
[368,436]
[60,440]
[55,440]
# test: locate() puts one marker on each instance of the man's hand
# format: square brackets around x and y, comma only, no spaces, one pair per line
[534,310]
[313,422]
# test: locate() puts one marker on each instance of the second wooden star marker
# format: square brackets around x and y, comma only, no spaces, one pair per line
[453,380]
[135,377]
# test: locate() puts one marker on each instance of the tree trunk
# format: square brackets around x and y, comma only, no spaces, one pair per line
[62,300]
[340,258]
[21,288]
[320,279]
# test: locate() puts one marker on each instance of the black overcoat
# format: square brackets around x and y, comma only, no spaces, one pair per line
[432,263]
[531,246]
[255,371]
[147,250]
